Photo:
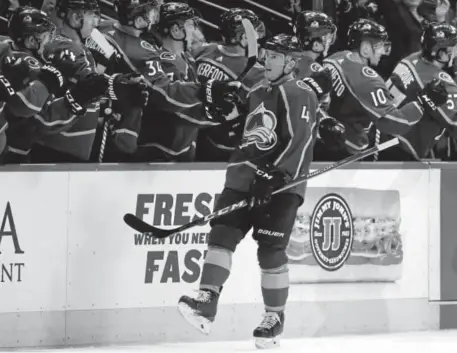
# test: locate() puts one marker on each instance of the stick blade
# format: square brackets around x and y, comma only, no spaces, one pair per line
[253,49]
[388,144]
[142,227]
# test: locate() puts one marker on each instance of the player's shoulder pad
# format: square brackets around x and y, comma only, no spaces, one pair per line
[146,51]
[33,63]
[297,89]
[60,43]
[205,50]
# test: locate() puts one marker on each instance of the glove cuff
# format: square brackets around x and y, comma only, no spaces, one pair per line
[75,107]
[9,90]
[52,78]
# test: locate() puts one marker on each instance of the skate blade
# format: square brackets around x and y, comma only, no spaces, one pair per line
[267,343]
[200,323]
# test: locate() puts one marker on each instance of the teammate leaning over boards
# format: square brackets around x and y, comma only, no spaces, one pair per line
[360,96]
[438,55]
[175,140]
[225,62]
[316,33]
[276,146]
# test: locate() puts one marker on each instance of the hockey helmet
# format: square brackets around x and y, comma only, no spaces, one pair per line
[175,13]
[310,26]
[231,24]
[364,29]
[128,10]
[28,21]
[284,44]
[63,6]
[436,37]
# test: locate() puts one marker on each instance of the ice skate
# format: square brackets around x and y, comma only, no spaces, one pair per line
[267,334]
[200,311]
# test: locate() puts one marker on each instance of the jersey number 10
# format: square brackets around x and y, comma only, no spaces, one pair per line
[379,97]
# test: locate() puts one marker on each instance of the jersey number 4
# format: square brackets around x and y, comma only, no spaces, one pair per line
[379,97]
[305,113]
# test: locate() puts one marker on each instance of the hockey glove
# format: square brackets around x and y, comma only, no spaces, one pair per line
[6,90]
[128,89]
[221,96]
[433,95]
[17,71]
[87,90]
[320,82]
[331,131]
[53,79]
[268,179]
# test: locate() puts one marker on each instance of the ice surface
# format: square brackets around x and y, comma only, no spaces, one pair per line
[426,342]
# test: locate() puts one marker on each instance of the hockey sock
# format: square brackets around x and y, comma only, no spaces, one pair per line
[216,268]
[275,288]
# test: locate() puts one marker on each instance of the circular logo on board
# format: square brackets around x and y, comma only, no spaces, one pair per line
[331,232]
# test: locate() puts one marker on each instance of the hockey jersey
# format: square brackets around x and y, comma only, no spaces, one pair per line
[77,138]
[360,98]
[175,140]
[214,61]
[33,111]
[407,80]
[307,66]
[280,129]
[167,94]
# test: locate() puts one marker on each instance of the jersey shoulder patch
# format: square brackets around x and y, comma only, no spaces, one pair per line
[369,72]
[316,67]
[167,56]
[445,77]
[301,84]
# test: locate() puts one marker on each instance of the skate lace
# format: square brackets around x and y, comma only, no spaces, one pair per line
[269,320]
[203,296]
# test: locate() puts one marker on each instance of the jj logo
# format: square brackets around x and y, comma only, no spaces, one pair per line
[332,226]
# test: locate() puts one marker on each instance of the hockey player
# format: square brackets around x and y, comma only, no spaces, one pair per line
[410,76]
[316,33]
[186,99]
[224,62]
[78,19]
[276,147]
[175,141]
[42,106]
[360,96]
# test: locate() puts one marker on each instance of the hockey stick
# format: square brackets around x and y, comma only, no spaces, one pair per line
[143,227]
[253,49]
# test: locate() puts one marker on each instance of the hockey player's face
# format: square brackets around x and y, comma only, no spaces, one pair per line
[89,22]
[44,38]
[378,50]
[274,65]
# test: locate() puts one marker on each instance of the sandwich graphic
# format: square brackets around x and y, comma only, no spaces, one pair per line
[346,235]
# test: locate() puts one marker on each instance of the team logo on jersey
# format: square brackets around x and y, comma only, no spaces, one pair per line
[331,232]
[303,85]
[369,72]
[443,76]
[147,46]
[167,56]
[315,67]
[259,129]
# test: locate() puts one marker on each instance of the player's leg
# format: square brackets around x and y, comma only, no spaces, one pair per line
[226,233]
[273,225]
